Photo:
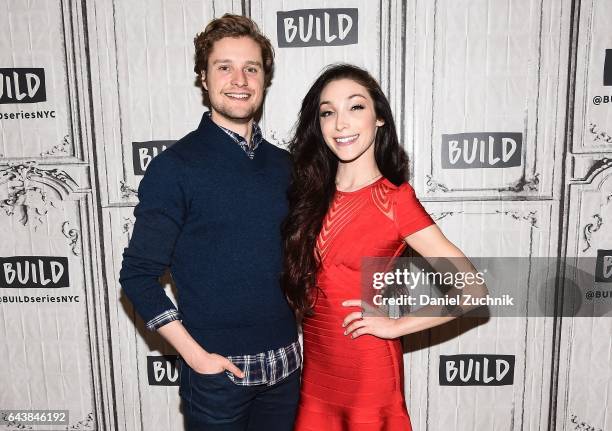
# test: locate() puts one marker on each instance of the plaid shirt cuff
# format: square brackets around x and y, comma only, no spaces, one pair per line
[166,317]
[269,367]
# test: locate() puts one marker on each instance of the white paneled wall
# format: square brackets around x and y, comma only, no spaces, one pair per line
[119,72]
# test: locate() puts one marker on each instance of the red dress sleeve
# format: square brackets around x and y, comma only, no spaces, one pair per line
[409,214]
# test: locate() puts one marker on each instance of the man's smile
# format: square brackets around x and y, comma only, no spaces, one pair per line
[239,96]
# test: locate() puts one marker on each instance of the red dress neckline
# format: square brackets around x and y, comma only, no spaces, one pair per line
[362,188]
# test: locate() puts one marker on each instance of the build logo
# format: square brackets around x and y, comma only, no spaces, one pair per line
[603,266]
[317,27]
[476,370]
[34,272]
[608,68]
[163,370]
[144,152]
[22,85]
[481,150]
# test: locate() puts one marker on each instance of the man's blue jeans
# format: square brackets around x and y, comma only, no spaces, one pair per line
[214,402]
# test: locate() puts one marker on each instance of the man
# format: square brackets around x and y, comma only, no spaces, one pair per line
[210,209]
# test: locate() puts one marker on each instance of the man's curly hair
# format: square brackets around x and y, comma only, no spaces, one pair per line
[231,26]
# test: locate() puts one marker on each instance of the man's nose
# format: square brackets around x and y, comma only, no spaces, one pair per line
[239,78]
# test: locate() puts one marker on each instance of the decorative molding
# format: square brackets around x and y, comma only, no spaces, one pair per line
[127,191]
[32,203]
[594,171]
[27,197]
[444,214]
[17,426]
[524,185]
[589,229]
[28,172]
[596,168]
[128,226]
[59,149]
[279,142]
[434,186]
[85,424]
[25,194]
[521,185]
[599,135]
[529,216]
[73,236]
[577,424]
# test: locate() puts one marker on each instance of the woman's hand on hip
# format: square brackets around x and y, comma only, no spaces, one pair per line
[369,320]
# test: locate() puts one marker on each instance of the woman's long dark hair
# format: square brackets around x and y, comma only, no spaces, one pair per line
[313,181]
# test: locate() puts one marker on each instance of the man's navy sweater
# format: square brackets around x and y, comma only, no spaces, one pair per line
[213,216]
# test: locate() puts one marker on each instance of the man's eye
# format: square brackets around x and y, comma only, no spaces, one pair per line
[223,67]
[252,70]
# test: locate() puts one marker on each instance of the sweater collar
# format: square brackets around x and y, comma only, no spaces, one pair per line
[248,147]
[215,137]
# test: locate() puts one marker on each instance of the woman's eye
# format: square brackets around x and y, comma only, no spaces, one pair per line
[357,107]
[325,113]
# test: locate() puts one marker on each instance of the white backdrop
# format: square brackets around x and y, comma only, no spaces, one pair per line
[112,76]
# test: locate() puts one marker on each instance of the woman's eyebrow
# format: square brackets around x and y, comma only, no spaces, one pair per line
[323,102]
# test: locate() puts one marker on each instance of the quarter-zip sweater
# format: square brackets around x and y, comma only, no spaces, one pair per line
[213,216]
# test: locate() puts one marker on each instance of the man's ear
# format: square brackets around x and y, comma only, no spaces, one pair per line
[203,80]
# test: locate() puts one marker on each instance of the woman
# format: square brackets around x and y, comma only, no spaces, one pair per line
[350,198]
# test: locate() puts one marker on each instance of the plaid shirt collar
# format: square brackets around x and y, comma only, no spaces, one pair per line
[256,137]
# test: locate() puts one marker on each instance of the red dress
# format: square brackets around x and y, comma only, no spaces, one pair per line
[355,384]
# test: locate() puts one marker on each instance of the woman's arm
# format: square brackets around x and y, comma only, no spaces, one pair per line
[431,244]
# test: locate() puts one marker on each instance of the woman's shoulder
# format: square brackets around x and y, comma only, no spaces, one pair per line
[393,191]
[385,195]
[390,197]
